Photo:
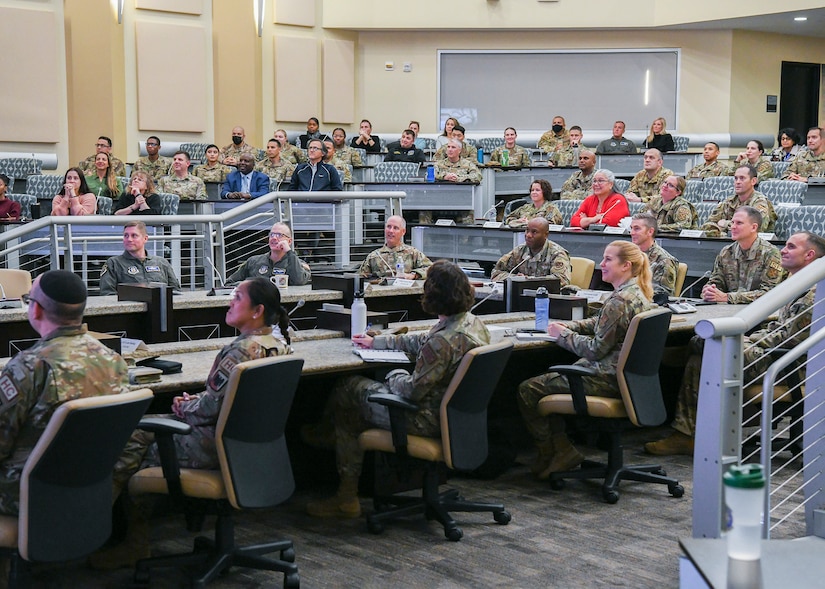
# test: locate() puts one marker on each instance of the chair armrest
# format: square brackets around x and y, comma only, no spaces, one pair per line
[160,425]
[398,407]
[574,374]
[572,370]
[164,429]
[392,400]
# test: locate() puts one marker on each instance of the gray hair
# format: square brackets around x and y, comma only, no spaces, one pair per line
[611,177]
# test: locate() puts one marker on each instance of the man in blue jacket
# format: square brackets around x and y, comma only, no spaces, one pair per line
[245,182]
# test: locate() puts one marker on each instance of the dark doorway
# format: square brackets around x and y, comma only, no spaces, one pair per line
[799,98]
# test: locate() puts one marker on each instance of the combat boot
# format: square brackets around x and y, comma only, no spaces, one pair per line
[565,457]
[344,504]
[543,458]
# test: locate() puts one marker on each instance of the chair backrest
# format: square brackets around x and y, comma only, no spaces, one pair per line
[395,171]
[20,167]
[567,208]
[169,203]
[784,191]
[44,185]
[196,151]
[488,144]
[514,204]
[66,485]
[26,201]
[104,205]
[717,188]
[636,207]
[621,185]
[429,143]
[582,272]
[15,282]
[250,431]
[637,369]
[793,219]
[779,168]
[704,209]
[693,190]
[681,274]
[681,143]
[464,405]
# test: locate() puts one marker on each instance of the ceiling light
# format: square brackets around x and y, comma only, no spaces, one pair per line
[800,18]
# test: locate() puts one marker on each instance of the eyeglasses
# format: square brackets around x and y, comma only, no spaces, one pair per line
[102,145]
[152,144]
[671,186]
[599,181]
[313,148]
[27,298]
[277,235]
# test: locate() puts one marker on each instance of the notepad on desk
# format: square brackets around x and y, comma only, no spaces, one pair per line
[532,336]
[395,356]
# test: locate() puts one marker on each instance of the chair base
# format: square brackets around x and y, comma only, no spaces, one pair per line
[212,557]
[614,474]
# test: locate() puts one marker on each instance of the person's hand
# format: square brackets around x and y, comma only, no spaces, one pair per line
[797,177]
[633,197]
[177,404]
[230,161]
[362,340]
[741,156]
[555,329]
[722,224]
[283,246]
[713,295]
[451,176]
[140,200]
[68,190]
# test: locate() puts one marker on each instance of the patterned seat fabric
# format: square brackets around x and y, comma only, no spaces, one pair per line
[793,219]
[104,205]
[361,151]
[516,203]
[488,144]
[704,209]
[567,208]
[20,167]
[779,168]
[693,191]
[169,203]
[429,143]
[783,191]
[717,188]
[621,185]
[383,143]
[26,201]
[274,185]
[395,171]
[680,143]
[196,151]
[471,142]
[636,207]
[44,185]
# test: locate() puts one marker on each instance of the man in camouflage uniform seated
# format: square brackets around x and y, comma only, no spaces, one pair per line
[789,330]
[544,257]
[454,168]
[66,363]
[181,182]
[712,166]
[103,145]
[808,163]
[381,262]
[646,183]
[579,185]
[230,153]
[569,156]
[157,166]
[744,193]
[663,265]
[273,165]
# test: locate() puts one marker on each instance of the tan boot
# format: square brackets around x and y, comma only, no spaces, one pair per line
[134,547]
[565,457]
[543,458]
[675,444]
[344,504]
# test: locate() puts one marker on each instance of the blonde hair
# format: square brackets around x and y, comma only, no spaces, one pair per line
[639,265]
[664,129]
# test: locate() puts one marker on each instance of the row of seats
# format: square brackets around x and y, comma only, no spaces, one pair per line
[105,205]
[719,188]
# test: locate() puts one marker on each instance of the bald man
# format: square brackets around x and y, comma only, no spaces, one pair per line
[544,257]
[230,154]
[381,262]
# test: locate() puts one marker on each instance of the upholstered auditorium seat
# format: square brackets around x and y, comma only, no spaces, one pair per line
[717,188]
[783,191]
[44,185]
[169,203]
[395,171]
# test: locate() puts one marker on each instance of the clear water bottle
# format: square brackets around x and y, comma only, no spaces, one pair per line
[542,308]
[358,323]
[399,267]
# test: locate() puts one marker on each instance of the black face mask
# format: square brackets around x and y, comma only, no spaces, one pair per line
[237,140]
[557,128]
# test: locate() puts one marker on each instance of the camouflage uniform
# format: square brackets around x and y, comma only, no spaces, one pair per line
[236,151]
[88,165]
[216,173]
[552,260]
[293,154]
[278,172]
[597,341]
[156,169]
[663,268]
[187,188]
[646,188]
[518,156]
[578,186]
[746,274]
[708,170]
[675,215]
[381,262]
[552,142]
[465,169]
[764,169]
[727,208]
[262,265]
[126,269]
[467,152]
[547,210]
[806,164]
[438,354]
[343,169]
[348,155]
[569,156]
[66,364]
[789,330]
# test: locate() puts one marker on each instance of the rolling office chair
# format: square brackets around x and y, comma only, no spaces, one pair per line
[681,274]
[15,283]
[641,404]
[463,443]
[582,271]
[66,485]
[255,472]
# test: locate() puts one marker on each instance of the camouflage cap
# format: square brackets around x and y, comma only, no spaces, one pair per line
[63,286]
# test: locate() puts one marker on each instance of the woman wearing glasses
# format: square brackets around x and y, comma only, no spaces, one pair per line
[672,211]
[604,207]
[281,259]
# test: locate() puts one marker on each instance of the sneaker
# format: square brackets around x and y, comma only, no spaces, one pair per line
[675,444]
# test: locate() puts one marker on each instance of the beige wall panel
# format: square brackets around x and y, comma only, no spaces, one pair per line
[339,81]
[30,106]
[295,12]
[179,6]
[296,75]
[179,104]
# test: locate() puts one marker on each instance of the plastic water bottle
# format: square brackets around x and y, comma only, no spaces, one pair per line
[745,498]
[399,267]
[480,153]
[358,323]
[430,173]
[542,308]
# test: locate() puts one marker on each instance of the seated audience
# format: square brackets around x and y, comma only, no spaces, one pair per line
[663,266]
[604,207]
[745,193]
[415,127]
[75,198]
[405,150]
[787,145]
[181,182]
[157,166]
[312,133]
[467,151]
[555,140]
[646,183]
[659,138]
[329,158]
[140,197]
[516,155]
[9,209]
[231,153]
[289,152]
[103,145]
[618,143]
[135,265]
[579,184]
[103,182]
[281,259]
[448,294]
[315,175]
[447,134]
[568,157]
[454,167]
[540,205]
[598,341]
[366,139]
[753,156]
[343,153]
[712,166]
[672,212]
[212,170]
[810,162]
[245,183]
[273,165]
[544,257]
[381,262]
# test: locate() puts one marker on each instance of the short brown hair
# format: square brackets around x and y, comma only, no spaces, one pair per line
[447,291]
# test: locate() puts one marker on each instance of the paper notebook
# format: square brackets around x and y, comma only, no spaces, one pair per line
[395,356]
[534,337]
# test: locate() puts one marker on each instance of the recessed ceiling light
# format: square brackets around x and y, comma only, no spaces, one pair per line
[800,18]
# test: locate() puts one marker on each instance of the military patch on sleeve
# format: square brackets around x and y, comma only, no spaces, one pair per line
[218,380]
[774,269]
[8,392]
[227,364]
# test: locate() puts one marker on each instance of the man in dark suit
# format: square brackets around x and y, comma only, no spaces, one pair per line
[315,175]
[245,183]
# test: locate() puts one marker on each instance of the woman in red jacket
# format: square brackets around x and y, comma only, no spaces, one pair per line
[605,206]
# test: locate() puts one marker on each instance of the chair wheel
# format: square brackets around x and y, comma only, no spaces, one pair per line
[502,517]
[610,495]
[453,534]
[676,490]
[557,484]
[375,527]
[292,581]
[288,555]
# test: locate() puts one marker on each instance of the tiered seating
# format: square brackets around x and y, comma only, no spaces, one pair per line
[793,219]
[104,205]
[567,208]
[779,168]
[169,203]
[20,167]
[783,191]
[26,201]
[488,144]
[395,171]
[44,185]
[704,209]
[693,190]
[621,185]
[196,151]
[717,188]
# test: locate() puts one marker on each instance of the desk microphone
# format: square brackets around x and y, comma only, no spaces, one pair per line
[223,290]
[509,274]
[6,303]
[694,283]
[298,305]
[387,264]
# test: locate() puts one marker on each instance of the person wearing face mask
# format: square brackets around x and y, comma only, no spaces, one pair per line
[231,153]
[555,140]
[570,157]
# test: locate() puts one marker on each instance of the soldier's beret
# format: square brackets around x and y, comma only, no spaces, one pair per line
[63,286]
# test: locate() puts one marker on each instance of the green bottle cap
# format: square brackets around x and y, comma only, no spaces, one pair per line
[745,476]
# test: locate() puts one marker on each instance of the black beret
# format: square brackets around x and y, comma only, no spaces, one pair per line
[63,286]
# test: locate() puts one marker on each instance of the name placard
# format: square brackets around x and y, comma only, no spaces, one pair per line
[445,223]
[695,233]
[614,230]
[403,282]
[492,224]
[767,236]
[555,228]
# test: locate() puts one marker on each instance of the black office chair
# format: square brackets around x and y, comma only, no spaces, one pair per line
[255,472]
[66,485]
[462,446]
[641,404]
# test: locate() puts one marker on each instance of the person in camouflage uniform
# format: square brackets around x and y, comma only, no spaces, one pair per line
[381,262]
[753,156]
[212,170]
[745,193]
[790,329]
[673,212]
[598,341]
[466,152]
[517,156]
[810,162]
[157,166]
[580,184]
[455,167]
[66,363]
[343,153]
[544,257]
[273,165]
[230,153]
[540,205]
[181,182]
[135,265]
[647,182]
[556,139]
[663,265]
[712,166]
[448,294]
[281,259]
[103,145]
[569,156]
[289,152]
[344,170]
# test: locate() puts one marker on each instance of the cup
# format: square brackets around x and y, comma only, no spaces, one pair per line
[280,280]
[745,498]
